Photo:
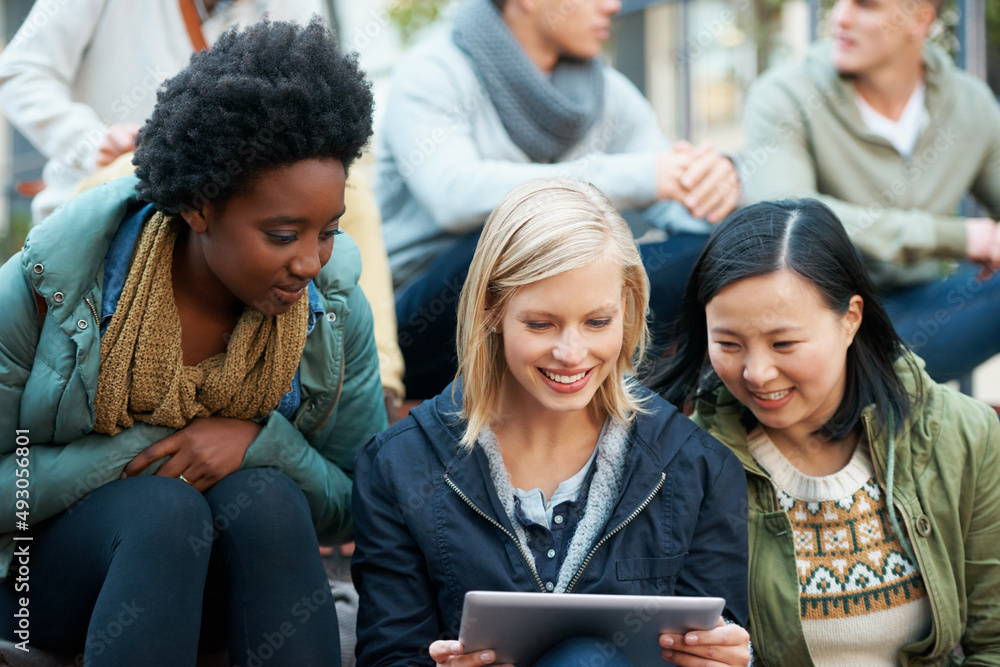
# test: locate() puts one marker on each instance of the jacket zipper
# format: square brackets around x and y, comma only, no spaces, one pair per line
[93,311]
[913,541]
[640,508]
[340,387]
[774,508]
[513,538]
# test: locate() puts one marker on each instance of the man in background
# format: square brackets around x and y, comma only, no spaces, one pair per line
[79,78]
[881,126]
[518,90]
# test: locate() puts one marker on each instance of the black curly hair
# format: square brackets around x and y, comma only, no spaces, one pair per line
[268,96]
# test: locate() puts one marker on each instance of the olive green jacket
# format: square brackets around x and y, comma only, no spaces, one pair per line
[48,377]
[946,487]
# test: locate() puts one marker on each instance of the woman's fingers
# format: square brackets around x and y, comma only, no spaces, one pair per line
[708,656]
[687,660]
[168,446]
[451,653]
[725,645]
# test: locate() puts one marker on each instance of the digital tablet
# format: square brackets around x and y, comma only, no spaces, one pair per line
[521,627]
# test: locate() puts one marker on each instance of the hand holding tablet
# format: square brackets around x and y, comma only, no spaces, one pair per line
[726,644]
[453,654]
[521,627]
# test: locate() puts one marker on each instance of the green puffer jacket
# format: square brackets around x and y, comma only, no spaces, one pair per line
[48,377]
[946,486]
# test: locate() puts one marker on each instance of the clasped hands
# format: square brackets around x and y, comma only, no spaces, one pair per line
[705,181]
[722,646]
[204,451]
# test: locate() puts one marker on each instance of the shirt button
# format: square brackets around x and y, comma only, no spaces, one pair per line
[551,553]
[38,268]
[558,518]
[58,297]
[331,317]
[549,586]
[82,324]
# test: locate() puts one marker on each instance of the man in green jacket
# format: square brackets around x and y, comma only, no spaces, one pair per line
[883,128]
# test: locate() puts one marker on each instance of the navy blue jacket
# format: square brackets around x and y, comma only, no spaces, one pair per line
[429,526]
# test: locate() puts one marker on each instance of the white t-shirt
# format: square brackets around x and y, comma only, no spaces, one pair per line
[902,133]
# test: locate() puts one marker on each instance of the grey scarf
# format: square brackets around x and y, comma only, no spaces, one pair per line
[605,486]
[545,116]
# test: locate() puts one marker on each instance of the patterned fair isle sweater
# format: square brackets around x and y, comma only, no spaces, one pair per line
[861,596]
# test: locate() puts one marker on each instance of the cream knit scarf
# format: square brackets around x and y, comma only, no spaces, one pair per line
[143,377]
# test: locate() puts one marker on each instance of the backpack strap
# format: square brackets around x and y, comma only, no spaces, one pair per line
[192,21]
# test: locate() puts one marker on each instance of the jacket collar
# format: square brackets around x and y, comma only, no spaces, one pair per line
[66,252]
[721,414]
[655,439]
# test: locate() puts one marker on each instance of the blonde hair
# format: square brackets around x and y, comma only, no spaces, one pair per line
[540,229]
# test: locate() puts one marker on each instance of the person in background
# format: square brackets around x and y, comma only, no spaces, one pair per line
[545,467]
[190,358]
[518,90]
[874,499]
[79,78]
[880,126]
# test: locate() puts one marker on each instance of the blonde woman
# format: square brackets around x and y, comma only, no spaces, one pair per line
[544,467]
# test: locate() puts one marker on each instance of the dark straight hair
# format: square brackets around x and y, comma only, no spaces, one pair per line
[803,236]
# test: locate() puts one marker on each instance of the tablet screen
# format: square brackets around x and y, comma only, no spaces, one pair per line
[522,627]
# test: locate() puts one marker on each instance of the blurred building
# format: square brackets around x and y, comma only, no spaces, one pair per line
[19,162]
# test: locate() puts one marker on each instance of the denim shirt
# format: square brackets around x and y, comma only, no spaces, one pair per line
[549,539]
[116,267]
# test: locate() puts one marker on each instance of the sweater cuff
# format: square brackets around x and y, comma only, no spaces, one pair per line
[951,237]
[627,179]
[273,448]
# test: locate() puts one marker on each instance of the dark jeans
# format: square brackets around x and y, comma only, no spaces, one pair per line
[138,570]
[585,652]
[952,323]
[426,309]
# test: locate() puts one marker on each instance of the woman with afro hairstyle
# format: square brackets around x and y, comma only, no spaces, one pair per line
[186,371]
